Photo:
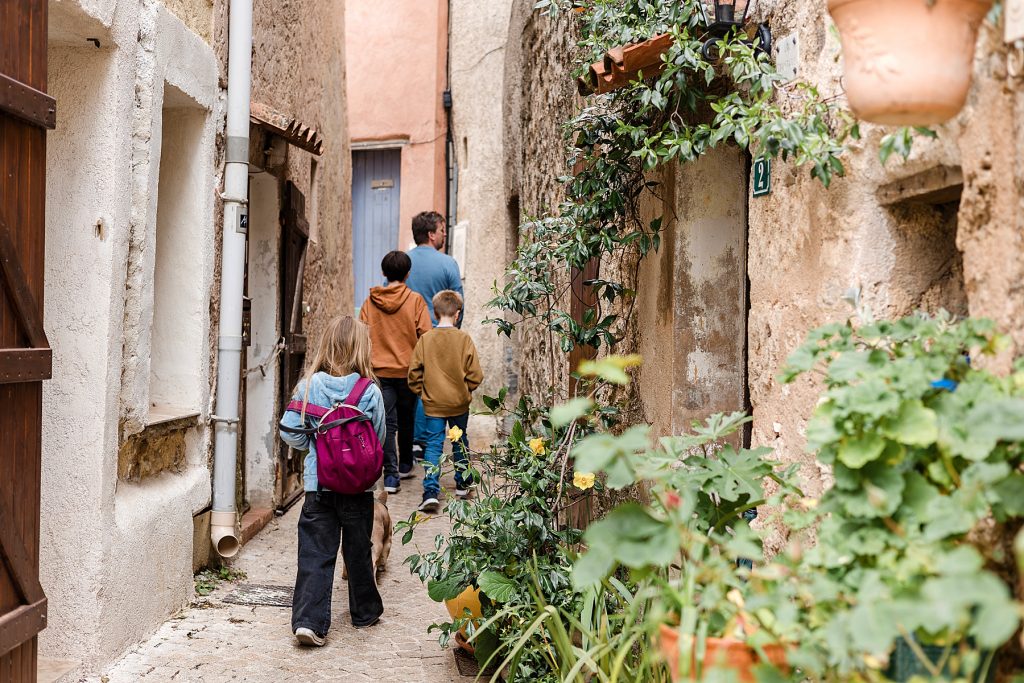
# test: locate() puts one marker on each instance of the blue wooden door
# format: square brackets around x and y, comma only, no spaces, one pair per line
[376,185]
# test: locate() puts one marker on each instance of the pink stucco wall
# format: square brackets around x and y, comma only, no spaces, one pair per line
[396,54]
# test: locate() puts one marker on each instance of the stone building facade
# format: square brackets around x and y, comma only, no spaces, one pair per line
[132,271]
[739,281]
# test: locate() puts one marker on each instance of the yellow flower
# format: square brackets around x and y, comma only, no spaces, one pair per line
[537,445]
[454,434]
[583,480]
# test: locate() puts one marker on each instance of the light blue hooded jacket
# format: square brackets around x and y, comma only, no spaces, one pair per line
[325,391]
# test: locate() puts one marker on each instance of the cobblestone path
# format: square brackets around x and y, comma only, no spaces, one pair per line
[214,641]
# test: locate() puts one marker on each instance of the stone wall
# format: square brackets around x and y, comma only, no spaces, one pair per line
[807,248]
[540,95]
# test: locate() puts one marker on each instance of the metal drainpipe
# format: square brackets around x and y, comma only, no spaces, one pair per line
[236,221]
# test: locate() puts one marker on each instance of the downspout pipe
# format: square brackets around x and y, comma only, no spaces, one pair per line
[223,534]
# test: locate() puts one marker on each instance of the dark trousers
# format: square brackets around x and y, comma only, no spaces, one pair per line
[326,519]
[400,410]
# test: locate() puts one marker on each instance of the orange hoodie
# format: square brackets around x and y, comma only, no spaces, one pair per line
[397,317]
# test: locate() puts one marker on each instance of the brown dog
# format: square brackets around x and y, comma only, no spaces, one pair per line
[380,537]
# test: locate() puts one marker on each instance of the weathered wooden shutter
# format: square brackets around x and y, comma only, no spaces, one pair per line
[25,114]
[294,238]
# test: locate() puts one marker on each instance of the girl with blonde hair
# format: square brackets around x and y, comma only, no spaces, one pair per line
[339,361]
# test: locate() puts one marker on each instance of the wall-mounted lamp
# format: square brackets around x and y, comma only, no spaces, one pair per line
[726,16]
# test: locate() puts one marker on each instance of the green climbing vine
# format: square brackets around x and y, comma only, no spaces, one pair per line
[692,106]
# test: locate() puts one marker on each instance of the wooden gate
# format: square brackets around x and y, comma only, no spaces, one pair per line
[294,237]
[25,114]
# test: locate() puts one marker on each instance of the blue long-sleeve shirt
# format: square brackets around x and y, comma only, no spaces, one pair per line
[432,272]
[325,391]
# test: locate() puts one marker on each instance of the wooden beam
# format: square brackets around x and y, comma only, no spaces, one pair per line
[25,365]
[21,625]
[16,284]
[27,103]
[15,554]
[937,185]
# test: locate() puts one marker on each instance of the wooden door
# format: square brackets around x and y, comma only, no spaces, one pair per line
[25,114]
[294,237]
[376,187]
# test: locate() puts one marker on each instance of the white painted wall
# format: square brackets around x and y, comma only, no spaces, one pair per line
[116,557]
[178,343]
[262,391]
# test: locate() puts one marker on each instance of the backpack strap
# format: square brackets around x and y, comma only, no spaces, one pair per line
[362,384]
[311,409]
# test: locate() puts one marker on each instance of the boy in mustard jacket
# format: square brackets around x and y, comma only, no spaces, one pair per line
[444,371]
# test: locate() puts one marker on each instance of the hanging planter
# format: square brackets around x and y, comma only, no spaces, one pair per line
[908,62]
[725,653]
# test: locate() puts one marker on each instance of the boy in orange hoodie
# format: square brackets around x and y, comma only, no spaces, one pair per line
[397,317]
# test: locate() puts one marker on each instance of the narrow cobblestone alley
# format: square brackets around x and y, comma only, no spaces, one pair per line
[214,641]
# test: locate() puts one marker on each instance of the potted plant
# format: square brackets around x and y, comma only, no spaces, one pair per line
[693,542]
[466,605]
[908,62]
[926,448]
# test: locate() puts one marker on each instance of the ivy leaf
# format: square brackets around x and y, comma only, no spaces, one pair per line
[563,414]
[913,425]
[497,587]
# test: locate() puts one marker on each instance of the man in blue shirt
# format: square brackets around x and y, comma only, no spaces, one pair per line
[432,271]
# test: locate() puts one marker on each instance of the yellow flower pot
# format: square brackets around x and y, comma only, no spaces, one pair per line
[468,599]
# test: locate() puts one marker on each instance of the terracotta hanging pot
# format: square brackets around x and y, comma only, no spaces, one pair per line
[908,62]
[726,653]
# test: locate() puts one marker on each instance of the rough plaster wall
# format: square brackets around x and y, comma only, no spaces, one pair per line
[106,587]
[85,166]
[478,34]
[299,68]
[809,245]
[196,14]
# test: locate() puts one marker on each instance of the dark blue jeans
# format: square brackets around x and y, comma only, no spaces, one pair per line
[435,434]
[328,519]
[400,416]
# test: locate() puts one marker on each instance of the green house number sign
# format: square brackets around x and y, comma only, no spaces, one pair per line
[762,176]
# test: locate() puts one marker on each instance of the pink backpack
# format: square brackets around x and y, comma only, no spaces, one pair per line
[349,457]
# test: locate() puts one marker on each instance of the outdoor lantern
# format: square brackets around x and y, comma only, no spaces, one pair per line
[725,12]
[725,16]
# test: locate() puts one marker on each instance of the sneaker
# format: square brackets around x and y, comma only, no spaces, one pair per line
[430,503]
[372,623]
[404,473]
[417,451]
[462,490]
[306,636]
[391,484]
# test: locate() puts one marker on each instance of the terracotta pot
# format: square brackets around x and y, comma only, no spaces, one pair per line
[908,62]
[467,599]
[721,652]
